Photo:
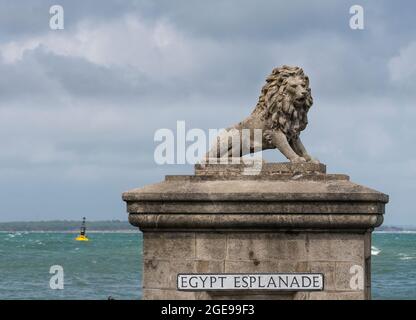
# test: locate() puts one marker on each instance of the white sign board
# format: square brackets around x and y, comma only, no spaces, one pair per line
[246,281]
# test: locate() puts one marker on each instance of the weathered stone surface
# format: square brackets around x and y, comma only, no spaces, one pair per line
[344,275]
[266,246]
[255,190]
[167,294]
[326,268]
[267,169]
[267,222]
[259,203]
[169,245]
[312,176]
[334,295]
[261,266]
[332,254]
[250,295]
[278,222]
[162,273]
[211,246]
[209,266]
[336,247]
[253,266]
[367,263]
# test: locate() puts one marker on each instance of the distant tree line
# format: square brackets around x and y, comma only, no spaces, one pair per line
[393,228]
[66,225]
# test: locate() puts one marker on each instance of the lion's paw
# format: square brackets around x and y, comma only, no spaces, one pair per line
[312,160]
[298,160]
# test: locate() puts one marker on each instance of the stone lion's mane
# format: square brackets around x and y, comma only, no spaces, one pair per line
[276,105]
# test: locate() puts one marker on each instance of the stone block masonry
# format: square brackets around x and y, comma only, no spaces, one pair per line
[291,218]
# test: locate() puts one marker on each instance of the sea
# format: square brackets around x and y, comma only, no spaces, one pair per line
[32,265]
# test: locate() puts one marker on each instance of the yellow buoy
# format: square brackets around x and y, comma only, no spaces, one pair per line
[82,236]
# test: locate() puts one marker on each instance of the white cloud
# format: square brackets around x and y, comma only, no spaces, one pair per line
[128,41]
[13,51]
[402,67]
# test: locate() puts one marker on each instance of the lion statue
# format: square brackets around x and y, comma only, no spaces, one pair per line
[279,116]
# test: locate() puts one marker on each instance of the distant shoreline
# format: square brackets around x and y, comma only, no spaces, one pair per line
[118,226]
[400,231]
[70,226]
[71,232]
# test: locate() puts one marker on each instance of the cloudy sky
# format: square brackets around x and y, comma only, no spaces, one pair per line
[79,107]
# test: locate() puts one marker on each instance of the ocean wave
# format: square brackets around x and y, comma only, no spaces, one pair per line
[375,251]
[405,256]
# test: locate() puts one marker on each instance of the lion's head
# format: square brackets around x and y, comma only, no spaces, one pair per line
[285,100]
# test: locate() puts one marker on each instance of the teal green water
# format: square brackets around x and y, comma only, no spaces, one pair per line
[110,265]
[394,268]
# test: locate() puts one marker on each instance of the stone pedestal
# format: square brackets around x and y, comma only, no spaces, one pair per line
[289,218]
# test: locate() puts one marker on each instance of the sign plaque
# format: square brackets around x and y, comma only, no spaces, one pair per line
[247,281]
